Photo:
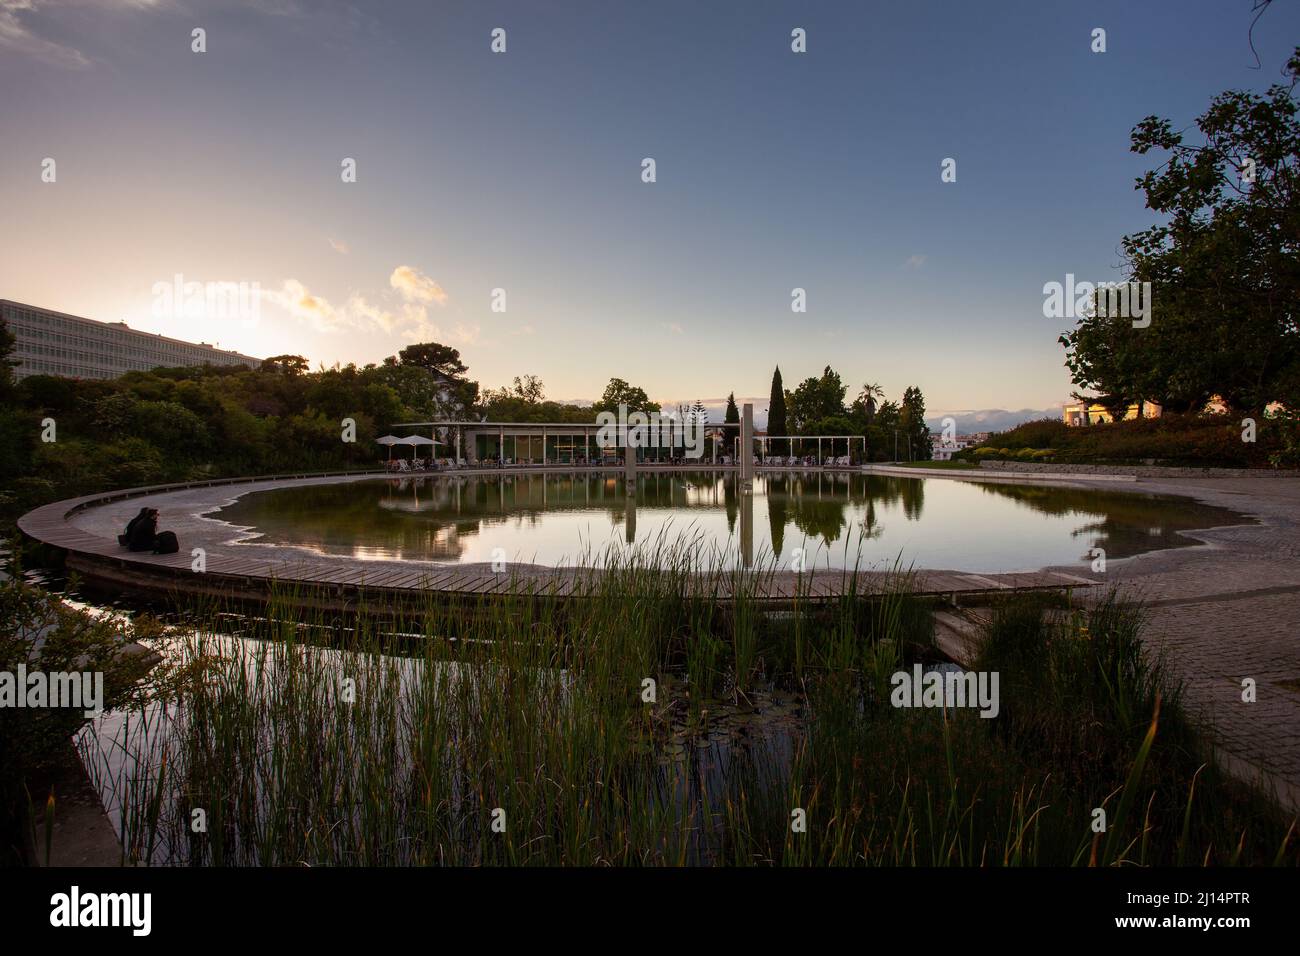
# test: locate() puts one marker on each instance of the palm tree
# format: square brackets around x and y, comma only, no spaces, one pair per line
[870,392]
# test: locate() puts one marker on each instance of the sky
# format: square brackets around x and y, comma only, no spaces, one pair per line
[522,171]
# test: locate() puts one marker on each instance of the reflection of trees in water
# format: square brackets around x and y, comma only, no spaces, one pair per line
[339,519]
[1128,523]
[777,516]
[432,516]
[913,495]
[814,504]
[869,526]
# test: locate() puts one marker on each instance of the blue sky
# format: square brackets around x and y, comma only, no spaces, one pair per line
[522,171]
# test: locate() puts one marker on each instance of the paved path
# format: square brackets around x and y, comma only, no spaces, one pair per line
[1229,611]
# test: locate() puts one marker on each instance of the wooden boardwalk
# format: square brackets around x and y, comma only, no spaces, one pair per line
[234,570]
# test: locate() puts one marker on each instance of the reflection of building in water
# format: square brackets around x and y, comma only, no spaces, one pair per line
[811,506]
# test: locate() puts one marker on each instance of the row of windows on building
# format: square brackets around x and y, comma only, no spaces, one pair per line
[52,344]
[69,370]
[106,346]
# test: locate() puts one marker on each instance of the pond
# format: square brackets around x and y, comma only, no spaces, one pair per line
[822,519]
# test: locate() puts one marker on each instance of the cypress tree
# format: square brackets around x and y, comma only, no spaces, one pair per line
[776,423]
[732,422]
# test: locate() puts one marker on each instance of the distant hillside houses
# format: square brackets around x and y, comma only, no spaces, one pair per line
[1079,414]
[943,450]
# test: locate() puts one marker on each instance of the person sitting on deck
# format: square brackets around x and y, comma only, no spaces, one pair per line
[125,537]
[142,532]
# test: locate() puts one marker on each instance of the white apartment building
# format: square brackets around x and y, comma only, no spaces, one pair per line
[941,450]
[55,343]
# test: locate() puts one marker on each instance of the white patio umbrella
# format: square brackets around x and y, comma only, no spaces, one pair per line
[390,441]
[415,441]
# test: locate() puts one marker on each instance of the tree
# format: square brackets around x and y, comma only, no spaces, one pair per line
[815,400]
[457,394]
[870,392]
[415,387]
[864,412]
[1224,264]
[443,360]
[776,421]
[8,342]
[619,392]
[732,421]
[529,389]
[286,364]
[911,420]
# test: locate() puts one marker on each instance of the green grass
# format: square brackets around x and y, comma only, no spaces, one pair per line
[531,715]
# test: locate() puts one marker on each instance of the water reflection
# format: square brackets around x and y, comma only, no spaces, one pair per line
[838,519]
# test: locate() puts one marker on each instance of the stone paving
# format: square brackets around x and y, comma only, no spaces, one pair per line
[1231,610]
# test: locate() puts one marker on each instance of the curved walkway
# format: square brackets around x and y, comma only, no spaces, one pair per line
[87,528]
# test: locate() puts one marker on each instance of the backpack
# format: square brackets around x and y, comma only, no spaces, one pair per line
[166,543]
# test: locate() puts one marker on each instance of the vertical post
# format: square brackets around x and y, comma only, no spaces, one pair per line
[747,448]
[543,446]
[501,446]
[819,451]
[629,463]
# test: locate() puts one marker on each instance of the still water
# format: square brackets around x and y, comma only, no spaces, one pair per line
[838,520]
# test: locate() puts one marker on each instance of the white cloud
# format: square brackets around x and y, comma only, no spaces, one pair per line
[16,35]
[408,319]
[415,286]
[914,261]
[339,246]
[19,34]
[294,298]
